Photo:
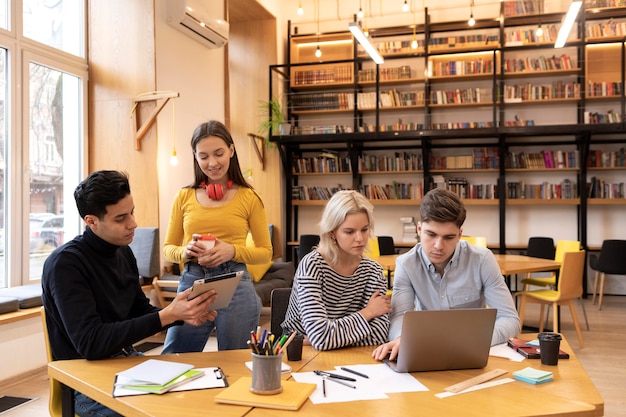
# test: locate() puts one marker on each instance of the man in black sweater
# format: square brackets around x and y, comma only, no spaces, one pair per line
[95,307]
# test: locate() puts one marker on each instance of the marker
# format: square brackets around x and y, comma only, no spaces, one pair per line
[352,371]
[336,376]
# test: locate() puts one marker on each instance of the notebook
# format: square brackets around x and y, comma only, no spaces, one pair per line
[437,340]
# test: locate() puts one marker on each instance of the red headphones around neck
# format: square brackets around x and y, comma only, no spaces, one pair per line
[216,191]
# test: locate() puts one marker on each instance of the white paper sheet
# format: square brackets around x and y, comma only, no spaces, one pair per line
[504,351]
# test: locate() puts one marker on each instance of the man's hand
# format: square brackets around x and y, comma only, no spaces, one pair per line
[387,349]
[194,312]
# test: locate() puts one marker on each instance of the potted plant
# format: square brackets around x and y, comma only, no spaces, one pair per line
[273,118]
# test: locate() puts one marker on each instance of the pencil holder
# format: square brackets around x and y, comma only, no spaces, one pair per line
[266,374]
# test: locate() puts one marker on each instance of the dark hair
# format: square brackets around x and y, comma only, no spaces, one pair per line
[215,128]
[442,206]
[100,189]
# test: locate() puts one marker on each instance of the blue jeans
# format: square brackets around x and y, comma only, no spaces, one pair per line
[86,407]
[233,323]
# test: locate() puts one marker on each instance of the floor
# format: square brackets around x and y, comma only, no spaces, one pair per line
[602,358]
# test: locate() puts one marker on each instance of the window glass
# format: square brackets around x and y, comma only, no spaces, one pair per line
[56,23]
[55,132]
[3,153]
[4,12]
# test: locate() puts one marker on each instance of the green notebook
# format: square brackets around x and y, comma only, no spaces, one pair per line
[190,375]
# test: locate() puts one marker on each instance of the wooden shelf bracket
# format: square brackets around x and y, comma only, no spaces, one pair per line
[259,150]
[141,130]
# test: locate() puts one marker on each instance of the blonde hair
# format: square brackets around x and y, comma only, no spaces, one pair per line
[340,205]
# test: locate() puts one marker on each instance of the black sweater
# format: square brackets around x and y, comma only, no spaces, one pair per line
[94,303]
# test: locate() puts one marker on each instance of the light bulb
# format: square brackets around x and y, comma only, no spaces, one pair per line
[405,6]
[414,43]
[360,14]
[173,158]
[300,9]
[539,32]
[318,52]
[471,20]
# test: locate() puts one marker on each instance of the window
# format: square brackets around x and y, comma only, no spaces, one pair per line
[41,134]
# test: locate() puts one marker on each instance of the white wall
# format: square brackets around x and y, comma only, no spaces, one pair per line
[22,347]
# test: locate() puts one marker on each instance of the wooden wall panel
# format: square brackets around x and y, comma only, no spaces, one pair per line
[122,66]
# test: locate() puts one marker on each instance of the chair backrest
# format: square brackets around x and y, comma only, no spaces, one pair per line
[54,400]
[386,245]
[563,246]
[570,284]
[476,240]
[145,246]
[279,301]
[372,250]
[541,247]
[612,258]
[165,288]
[306,244]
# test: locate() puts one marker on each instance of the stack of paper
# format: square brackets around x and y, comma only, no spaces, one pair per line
[156,376]
[533,376]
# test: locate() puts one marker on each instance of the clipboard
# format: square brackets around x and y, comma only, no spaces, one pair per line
[213,377]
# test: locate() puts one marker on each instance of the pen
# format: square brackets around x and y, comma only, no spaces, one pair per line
[324,386]
[341,382]
[352,371]
[335,376]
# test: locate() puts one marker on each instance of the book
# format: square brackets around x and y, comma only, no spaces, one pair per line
[152,372]
[529,349]
[188,376]
[292,397]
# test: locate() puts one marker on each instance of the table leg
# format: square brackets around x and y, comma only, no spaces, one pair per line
[67,401]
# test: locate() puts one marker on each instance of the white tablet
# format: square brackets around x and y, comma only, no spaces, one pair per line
[224,284]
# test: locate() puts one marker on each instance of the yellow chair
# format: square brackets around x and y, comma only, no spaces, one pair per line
[476,240]
[54,402]
[569,287]
[562,246]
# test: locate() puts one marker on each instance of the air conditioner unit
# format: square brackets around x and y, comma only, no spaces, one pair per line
[193,18]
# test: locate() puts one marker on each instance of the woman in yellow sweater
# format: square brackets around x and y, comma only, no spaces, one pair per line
[219,202]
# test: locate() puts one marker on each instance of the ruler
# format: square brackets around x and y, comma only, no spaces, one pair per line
[479,379]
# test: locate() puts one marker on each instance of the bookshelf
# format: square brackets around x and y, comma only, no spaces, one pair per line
[462,106]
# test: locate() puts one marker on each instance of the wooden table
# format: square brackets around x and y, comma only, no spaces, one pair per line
[570,394]
[520,264]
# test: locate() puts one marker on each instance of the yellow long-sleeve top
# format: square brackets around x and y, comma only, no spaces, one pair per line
[229,223]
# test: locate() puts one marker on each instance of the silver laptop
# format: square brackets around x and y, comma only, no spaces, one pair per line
[436,340]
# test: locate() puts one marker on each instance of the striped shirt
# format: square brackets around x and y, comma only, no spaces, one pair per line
[325,305]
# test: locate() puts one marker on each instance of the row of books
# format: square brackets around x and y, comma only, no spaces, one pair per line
[322,101]
[321,129]
[604,3]
[529,36]
[462,188]
[596,118]
[337,74]
[544,159]
[461,96]
[386,74]
[604,89]
[460,125]
[449,68]
[321,165]
[391,98]
[545,191]
[611,27]
[522,7]
[399,126]
[598,188]
[518,121]
[400,161]
[393,191]
[464,41]
[598,158]
[541,63]
[303,192]
[452,162]
[396,46]
[555,90]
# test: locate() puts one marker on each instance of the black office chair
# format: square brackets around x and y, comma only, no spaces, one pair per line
[541,247]
[386,245]
[306,244]
[279,301]
[612,260]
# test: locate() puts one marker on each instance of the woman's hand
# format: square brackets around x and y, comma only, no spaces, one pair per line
[220,253]
[378,304]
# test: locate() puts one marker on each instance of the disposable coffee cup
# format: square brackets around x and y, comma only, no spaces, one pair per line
[294,349]
[208,241]
[549,345]
[266,374]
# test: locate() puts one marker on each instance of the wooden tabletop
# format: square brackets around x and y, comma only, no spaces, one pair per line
[520,264]
[570,394]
